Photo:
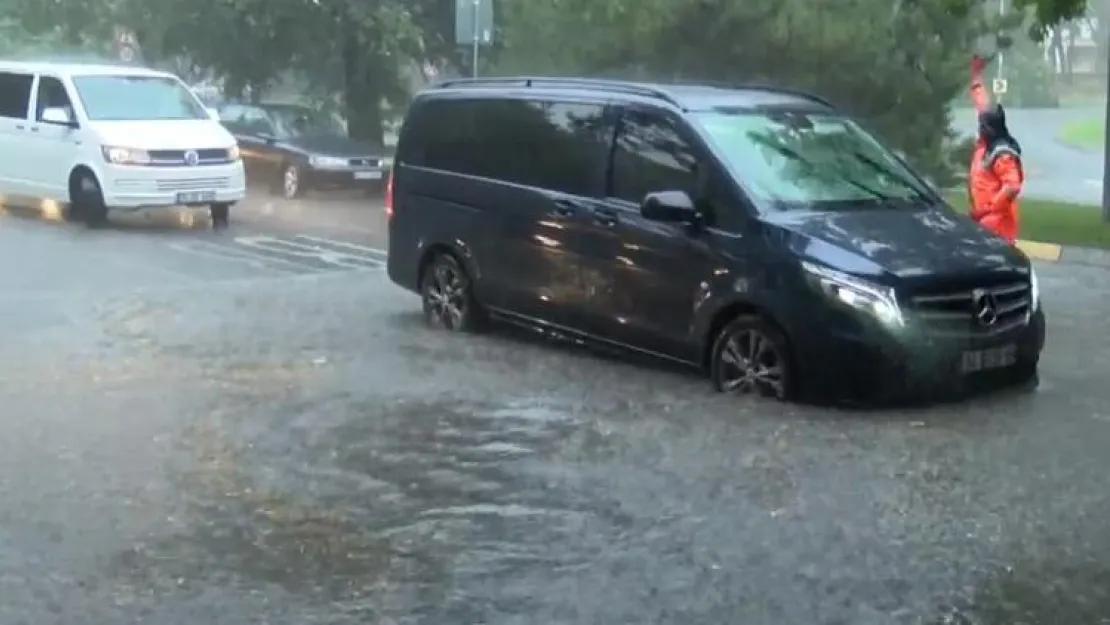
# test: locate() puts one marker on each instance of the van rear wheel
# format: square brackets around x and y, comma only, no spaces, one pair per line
[751,356]
[448,296]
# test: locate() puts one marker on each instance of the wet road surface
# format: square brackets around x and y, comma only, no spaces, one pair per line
[215,437]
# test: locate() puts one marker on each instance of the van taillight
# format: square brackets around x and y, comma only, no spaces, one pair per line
[389,196]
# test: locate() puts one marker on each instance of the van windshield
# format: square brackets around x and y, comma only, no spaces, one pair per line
[810,161]
[135,98]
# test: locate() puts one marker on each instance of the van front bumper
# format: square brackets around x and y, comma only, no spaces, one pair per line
[133,187]
[909,363]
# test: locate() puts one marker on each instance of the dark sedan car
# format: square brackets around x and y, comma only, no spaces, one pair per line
[293,149]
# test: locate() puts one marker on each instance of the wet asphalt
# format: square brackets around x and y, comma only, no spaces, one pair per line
[231,428]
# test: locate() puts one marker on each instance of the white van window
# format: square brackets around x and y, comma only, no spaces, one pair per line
[135,98]
[15,94]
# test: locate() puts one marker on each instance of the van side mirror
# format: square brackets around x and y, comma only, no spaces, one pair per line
[669,206]
[58,115]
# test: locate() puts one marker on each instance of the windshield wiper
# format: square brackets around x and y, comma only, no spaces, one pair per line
[879,169]
[795,156]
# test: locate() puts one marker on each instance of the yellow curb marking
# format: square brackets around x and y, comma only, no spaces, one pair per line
[1040,251]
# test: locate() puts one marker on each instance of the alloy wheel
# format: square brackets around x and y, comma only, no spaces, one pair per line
[751,363]
[291,182]
[446,300]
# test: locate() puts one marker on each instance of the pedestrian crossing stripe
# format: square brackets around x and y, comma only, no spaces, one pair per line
[286,254]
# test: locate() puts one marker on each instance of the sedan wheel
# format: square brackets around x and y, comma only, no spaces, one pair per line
[447,296]
[291,182]
[751,357]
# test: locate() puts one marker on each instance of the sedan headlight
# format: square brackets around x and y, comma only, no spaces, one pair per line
[1034,289]
[873,299]
[125,156]
[327,162]
[386,162]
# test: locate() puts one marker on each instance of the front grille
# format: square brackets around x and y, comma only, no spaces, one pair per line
[176,158]
[365,162]
[955,312]
[193,184]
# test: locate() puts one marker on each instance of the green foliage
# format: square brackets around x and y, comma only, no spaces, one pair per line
[895,64]
[1031,82]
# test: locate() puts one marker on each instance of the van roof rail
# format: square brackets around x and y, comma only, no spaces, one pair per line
[799,93]
[618,86]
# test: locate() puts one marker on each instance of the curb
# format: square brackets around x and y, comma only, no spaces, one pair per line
[1053,253]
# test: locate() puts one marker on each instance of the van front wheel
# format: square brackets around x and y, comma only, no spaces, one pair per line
[87,201]
[752,357]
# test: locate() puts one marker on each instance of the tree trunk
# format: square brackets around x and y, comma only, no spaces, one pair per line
[362,93]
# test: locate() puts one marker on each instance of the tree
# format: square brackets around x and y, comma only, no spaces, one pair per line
[895,65]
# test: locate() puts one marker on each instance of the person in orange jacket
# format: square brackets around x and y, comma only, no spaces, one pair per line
[996,176]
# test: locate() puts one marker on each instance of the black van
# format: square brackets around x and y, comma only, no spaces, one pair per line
[755,232]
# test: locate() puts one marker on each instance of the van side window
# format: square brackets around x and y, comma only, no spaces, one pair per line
[51,94]
[651,156]
[559,146]
[15,94]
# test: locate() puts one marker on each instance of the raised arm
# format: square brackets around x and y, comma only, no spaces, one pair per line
[979,94]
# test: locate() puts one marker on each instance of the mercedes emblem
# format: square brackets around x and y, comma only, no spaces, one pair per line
[984,307]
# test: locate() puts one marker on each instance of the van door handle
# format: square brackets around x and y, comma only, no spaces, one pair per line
[34,128]
[605,217]
[20,127]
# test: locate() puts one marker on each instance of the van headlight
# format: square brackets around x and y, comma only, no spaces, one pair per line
[125,156]
[233,153]
[872,299]
[1034,289]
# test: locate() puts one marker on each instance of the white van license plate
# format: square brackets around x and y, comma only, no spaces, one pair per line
[196,197]
[368,175]
[993,358]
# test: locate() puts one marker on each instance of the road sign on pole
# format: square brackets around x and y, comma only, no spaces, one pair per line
[474,27]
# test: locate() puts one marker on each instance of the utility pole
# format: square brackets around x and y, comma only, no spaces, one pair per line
[474,44]
[1106,149]
[1001,75]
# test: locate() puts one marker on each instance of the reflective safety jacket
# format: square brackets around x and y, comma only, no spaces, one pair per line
[996,176]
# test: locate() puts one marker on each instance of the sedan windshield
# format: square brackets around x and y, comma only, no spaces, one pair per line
[134,98]
[299,121]
[809,161]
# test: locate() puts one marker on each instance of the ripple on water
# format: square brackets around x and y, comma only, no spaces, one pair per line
[447,505]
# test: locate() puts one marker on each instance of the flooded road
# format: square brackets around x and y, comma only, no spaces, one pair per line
[206,437]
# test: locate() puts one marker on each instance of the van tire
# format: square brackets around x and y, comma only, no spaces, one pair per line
[752,356]
[220,214]
[87,201]
[447,295]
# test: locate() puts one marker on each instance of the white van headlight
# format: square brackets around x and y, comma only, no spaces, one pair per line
[873,299]
[233,153]
[125,156]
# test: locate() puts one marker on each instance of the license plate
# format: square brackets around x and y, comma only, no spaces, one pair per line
[993,358]
[368,175]
[196,197]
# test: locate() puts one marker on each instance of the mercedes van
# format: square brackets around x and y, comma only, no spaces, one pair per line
[755,232]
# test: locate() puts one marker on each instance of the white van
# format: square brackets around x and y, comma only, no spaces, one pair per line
[103,139]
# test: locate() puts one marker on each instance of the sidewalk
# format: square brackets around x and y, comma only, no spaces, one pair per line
[1053,253]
